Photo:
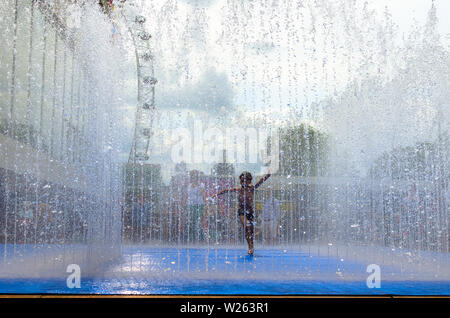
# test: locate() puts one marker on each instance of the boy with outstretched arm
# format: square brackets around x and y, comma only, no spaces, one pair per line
[245,198]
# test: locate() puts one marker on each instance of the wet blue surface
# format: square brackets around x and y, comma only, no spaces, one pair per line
[201,271]
[223,287]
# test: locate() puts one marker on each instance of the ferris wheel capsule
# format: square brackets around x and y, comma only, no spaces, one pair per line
[149,80]
[145,36]
[140,19]
[147,56]
[147,106]
[146,132]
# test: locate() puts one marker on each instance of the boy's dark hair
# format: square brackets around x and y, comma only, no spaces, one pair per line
[247,175]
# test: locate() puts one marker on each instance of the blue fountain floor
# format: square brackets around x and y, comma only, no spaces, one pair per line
[220,271]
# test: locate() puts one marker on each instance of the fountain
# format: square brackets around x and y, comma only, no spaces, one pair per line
[350,118]
[60,193]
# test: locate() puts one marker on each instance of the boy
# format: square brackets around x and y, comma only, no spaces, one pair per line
[245,199]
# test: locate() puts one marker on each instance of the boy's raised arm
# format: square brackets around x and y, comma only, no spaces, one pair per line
[261,181]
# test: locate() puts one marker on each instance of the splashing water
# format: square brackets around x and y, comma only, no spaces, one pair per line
[353,118]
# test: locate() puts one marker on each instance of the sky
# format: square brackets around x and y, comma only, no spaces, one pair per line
[404,12]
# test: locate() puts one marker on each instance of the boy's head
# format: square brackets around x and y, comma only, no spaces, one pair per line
[245,178]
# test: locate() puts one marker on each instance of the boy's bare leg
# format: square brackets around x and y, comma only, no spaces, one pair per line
[248,234]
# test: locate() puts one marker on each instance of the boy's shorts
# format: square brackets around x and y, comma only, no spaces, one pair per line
[248,215]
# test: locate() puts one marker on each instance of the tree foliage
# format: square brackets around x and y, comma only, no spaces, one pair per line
[303,151]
